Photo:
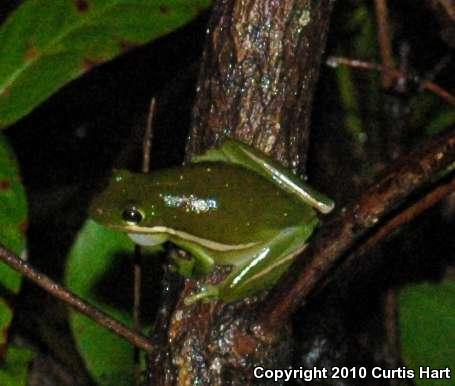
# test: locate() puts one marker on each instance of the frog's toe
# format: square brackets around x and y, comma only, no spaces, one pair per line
[208,292]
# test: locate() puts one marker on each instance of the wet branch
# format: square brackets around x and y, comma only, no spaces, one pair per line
[74,301]
[409,174]
[404,217]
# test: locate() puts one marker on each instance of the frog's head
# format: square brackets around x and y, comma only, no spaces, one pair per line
[121,205]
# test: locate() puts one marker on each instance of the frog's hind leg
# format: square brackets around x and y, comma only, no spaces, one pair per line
[238,153]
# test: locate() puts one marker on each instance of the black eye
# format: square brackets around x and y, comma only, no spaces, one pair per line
[132,215]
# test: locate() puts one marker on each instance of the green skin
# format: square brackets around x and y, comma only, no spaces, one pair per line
[231,206]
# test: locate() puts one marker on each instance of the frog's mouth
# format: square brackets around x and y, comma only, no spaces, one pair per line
[159,231]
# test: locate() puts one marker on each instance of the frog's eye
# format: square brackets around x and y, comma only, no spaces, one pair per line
[132,215]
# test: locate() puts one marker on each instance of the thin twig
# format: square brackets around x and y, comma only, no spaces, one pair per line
[439,67]
[148,137]
[406,216]
[137,257]
[137,325]
[363,65]
[438,90]
[382,17]
[328,248]
[392,329]
[74,301]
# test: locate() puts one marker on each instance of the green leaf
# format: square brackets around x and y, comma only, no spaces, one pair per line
[427,319]
[13,203]
[45,44]
[349,101]
[441,121]
[13,217]
[14,371]
[6,315]
[108,357]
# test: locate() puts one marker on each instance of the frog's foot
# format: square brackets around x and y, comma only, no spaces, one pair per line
[208,292]
[183,265]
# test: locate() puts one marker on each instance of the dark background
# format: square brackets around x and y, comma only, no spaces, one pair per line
[68,146]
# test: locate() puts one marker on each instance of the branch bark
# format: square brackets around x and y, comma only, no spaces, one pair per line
[408,175]
[256,83]
[74,301]
[257,79]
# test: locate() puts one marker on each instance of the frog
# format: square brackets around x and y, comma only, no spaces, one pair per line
[233,207]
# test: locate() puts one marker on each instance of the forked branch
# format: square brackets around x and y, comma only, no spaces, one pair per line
[409,174]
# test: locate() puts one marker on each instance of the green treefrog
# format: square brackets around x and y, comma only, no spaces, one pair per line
[232,206]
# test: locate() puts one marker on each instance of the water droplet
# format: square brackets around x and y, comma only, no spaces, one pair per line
[179,315]
[305,18]
[294,164]
[265,82]
[271,141]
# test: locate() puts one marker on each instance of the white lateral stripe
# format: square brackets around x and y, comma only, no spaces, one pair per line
[214,245]
[278,263]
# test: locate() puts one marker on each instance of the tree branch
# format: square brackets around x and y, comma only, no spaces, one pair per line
[259,70]
[385,44]
[402,218]
[74,301]
[334,61]
[257,78]
[408,175]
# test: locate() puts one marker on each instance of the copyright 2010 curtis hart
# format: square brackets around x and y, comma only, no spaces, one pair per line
[335,372]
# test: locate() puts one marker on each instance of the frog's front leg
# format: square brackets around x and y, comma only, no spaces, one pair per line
[261,271]
[200,263]
[247,280]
